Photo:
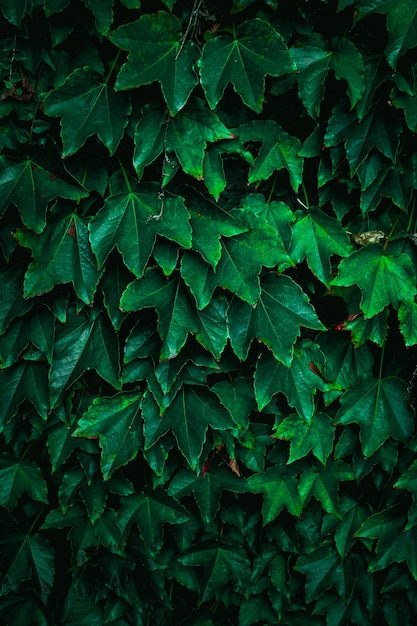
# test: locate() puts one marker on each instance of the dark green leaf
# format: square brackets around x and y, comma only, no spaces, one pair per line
[280,491]
[18,477]
[316,436]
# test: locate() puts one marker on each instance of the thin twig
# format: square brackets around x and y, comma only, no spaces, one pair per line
[194,15]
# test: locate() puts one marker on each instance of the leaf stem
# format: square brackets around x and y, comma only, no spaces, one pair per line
[113,65]
[381,362]
[413,206]
[272,188]
[306,200]
[129,188]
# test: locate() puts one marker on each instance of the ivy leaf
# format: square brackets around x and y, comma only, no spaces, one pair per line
[379,406]
[275,320]
[238,398]
[61,254]
[30,186]
[299,381]
[280,491]
[86,341]
[222,564]
[87,107]
[373,131]
[382,277]
[131,221]
[322,482]
[278,151]
[317,436]
[317,237]
[27,558]
[407,315]
[24,381]
[315,59]
[150,513]
[180,317]
[18,477]
[244,61]
[186,134]
[188,416]
[12,303]
[323,570]
[117,423]
[206,488]
[38,330]
[161,56]
[103,14]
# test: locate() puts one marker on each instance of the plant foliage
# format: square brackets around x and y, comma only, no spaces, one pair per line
[208,312]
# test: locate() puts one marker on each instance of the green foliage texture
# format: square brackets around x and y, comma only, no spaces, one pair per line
[208,315]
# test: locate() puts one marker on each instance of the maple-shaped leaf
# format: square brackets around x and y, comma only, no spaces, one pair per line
[401,23]
[26,380]
[150,513]
[84,535]
[30,185]
[323,568]
[209,222]
[382,277]
[238,398]
[37,330]
[244,60]
[276,319]
[26,557]
[314,60]
[363,329]
[86,341]
[87,106]
[117,423]
[103,14]
[278,151]
[188,416]
[299,381]
[316,436]
[280,491]
[162,56]
[354,514]
[186,134]
[12,302]
[61,254]
[407,315]
[177,315]
[360,137]
[223,564]
[18,477]
[379,406]
[131,221]
[322,482]
[206,488]
[316,237]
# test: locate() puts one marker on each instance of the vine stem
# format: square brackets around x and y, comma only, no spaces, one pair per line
[193,16]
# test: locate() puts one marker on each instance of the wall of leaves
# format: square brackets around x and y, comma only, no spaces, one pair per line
[208,312]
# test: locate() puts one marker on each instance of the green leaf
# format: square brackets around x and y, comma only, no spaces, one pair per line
[299,381]
[150,513]
[323,569]
[177,315]
[38,330]
[103,14]
[27,558]
[316,436]
[275,320]
[407,315]
[206,488]
[379,406]
[383,278]
[30,187]
[278,151]
[131,221]
[373,131]
[162,56]
[323,483]
[86,341]
[117,423]
[87,107]
[313,63]
[222,564]
[316,237]
[188,416]
[186,134]
[26,380]
[279,490]
[18,477]
[61,254]
[14,10]
[245,60]
[238,398]
[12,303]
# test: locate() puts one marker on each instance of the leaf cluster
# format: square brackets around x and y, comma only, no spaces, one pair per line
[208,312]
